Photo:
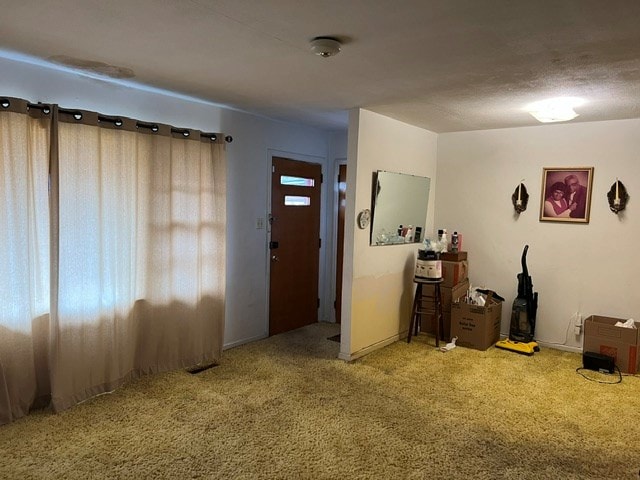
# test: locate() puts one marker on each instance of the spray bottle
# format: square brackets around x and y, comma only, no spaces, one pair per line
[454,242]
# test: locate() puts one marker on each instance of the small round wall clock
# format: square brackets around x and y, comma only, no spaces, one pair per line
[364,217]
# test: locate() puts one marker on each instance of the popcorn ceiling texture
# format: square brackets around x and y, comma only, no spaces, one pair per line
[286,408]
[446,66]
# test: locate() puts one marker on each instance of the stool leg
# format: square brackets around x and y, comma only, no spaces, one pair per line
[438,313]
[414,313]
[441,316]
[418,324]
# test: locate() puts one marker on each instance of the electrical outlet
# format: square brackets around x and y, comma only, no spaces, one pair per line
[577,328]
[260,223]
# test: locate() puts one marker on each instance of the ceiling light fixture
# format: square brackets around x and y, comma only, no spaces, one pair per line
[325,46]
[558,109]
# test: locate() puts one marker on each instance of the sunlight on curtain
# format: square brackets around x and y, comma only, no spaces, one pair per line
[142,257]
[119,268]
[24,262]
[98,223]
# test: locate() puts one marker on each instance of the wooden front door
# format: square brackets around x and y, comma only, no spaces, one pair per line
[294,248]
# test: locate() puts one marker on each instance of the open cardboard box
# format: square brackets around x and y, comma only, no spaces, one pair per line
[602,336]
[475,326]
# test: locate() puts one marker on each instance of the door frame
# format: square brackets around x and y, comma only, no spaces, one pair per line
[334,230]
[322,271]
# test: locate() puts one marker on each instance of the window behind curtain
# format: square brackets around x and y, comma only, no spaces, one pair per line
[121,272]
[141,272]
[24,258]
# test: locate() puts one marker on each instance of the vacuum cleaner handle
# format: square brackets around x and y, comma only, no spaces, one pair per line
[525,270]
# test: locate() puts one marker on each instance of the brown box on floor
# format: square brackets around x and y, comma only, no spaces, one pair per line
[449,295]
[602,336]
[454,272]
[475,326]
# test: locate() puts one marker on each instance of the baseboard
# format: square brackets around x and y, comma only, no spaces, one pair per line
[237,343]
[557,346]
[564,348]
[371,348]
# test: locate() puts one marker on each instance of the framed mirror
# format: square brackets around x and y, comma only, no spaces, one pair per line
[400,204]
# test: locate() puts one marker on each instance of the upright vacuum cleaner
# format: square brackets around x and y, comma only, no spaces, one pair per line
[523,315]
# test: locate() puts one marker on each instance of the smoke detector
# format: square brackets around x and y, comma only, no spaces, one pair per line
[325,46]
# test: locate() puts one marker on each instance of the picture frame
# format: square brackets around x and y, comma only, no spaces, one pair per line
[566,194]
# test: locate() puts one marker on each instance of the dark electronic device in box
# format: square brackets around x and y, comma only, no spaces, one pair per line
[598,362]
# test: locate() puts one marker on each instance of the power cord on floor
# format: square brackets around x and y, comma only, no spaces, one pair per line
[580,369]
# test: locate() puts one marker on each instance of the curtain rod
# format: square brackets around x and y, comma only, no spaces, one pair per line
[117,121]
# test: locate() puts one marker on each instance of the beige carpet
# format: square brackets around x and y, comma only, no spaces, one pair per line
[286,408]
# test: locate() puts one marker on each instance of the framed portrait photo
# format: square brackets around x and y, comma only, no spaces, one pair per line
[566,194]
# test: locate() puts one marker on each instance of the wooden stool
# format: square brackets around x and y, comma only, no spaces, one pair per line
[424,304]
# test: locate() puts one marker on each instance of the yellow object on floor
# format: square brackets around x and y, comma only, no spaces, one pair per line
[528,348]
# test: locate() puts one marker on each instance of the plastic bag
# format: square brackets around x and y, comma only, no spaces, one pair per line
[628,324]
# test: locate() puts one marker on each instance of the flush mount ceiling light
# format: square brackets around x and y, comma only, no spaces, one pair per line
[325,46]
[558,109]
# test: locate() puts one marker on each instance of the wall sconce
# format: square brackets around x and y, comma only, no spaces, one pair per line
[520,198]
[618,197]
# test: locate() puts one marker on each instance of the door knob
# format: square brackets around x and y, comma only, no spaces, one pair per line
[274,258]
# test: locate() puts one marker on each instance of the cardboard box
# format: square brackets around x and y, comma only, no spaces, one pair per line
[602,336]
[449,295]
[453,256]
[476,327]
[454,272]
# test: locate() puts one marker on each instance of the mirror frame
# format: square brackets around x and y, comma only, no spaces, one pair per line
[415,187]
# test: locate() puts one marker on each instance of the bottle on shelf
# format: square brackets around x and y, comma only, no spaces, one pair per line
[454,242]
[444,240]
[408,238]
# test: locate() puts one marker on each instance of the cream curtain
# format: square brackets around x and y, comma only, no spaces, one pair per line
[138,259]
[24,259]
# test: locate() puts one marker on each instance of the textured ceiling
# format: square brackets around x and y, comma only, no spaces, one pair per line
[444,65]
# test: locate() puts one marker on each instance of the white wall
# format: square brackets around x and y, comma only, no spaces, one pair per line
[576,268]
[590,269]
[378,281]
[249,172]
